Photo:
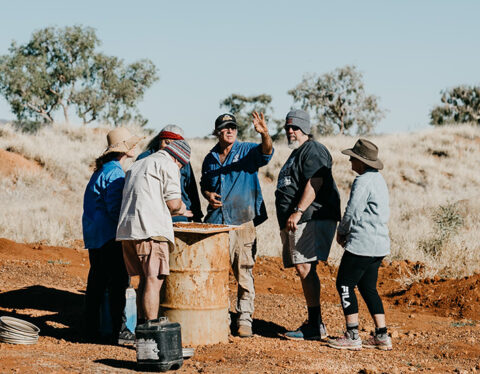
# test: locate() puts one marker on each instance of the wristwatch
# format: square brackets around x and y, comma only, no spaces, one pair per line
[297,209]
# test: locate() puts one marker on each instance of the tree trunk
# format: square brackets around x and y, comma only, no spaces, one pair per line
[342,121]
[65,113]
[342,125]
[46,116]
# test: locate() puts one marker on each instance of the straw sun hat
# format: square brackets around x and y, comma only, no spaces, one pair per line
[120,140]
[365,151]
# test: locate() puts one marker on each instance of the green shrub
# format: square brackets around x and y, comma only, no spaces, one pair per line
[447,220]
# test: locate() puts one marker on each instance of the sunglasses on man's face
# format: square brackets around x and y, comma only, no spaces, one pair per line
[294,128]
[231,127]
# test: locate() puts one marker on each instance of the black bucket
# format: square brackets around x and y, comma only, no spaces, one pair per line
[159,345]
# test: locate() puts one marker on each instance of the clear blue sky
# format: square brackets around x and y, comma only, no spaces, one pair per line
[205,50]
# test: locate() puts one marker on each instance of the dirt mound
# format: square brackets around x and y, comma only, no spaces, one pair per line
[11,163]
[459,298]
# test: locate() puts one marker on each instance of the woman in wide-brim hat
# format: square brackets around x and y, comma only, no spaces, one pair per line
[363,233]
[101,209]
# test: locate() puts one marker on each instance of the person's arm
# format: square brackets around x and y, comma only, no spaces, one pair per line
[113,194]
[355,207]
[172,192]
[213,198]
[308,196]
[262,128]
[176,207]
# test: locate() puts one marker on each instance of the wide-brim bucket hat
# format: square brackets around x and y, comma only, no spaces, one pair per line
[120,140]
[365,151]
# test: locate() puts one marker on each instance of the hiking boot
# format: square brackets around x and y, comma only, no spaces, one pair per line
[244,331]
[308,332]
[126,337]
[346,342]
[379,341]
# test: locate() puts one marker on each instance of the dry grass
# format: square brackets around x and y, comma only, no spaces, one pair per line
[432,176]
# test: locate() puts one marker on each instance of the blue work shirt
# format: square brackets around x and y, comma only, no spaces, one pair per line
[189,189]
[101,205]
[236,181]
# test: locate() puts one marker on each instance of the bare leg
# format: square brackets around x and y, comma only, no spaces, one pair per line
[314,328]
[379,320]
[310,283]
[151,296]
[352,319]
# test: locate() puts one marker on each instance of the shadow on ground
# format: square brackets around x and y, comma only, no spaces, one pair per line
[268,329]
[260,327]
[118,364]
[66,310]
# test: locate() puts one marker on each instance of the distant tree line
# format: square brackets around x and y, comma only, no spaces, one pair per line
[336,101]
[59,69]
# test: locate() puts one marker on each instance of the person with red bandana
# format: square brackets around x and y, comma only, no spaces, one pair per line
[188,184]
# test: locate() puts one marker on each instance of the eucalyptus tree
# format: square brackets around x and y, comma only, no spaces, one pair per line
[242,108]
[59,68]
[337,100]
[460,104]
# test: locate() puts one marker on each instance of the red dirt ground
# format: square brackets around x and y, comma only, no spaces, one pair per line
[434,323]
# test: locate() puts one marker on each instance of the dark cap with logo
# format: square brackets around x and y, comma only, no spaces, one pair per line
[224,120]
[299,118]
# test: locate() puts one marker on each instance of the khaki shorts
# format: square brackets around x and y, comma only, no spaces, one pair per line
[147,257]
[310,242]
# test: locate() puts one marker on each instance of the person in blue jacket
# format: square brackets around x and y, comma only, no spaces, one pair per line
[188,183]
[230,184]
[101,209]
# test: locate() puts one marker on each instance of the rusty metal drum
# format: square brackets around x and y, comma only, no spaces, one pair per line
[196,291]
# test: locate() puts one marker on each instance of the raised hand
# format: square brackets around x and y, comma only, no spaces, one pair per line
[260,123]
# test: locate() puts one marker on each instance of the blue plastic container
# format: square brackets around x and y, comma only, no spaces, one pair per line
[131,308]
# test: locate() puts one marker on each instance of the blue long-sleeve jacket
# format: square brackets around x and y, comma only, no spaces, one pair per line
[101,204]
[236,181]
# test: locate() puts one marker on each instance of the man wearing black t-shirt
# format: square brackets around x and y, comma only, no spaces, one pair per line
[308,209]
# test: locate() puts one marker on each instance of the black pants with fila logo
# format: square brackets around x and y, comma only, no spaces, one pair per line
[361,272]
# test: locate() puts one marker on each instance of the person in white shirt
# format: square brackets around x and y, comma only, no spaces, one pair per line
[151,196]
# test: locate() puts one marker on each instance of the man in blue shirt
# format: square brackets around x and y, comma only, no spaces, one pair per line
[230,184]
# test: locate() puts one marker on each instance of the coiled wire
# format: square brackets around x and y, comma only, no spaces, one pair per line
[17,331]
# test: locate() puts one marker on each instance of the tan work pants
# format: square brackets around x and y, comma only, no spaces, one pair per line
[242,258]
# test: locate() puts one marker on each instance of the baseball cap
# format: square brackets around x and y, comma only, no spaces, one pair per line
[224,120]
